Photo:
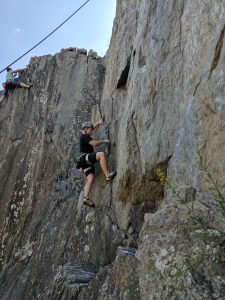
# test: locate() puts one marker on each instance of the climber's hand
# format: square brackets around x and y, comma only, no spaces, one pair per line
[106,141]
[97,124]
[100,122]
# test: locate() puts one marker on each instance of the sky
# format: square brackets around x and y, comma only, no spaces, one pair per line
[25,22]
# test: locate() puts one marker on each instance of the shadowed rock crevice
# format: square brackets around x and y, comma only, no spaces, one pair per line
[124,75]
[136,188]
[145,195]
[217,52]
[136,220]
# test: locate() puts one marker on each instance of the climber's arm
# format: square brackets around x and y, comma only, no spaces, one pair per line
[95,143]
[97,124]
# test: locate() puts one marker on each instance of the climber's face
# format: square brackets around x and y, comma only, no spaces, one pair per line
[89,130]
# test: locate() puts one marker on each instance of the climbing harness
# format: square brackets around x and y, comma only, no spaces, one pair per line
[83,162]
[46,36]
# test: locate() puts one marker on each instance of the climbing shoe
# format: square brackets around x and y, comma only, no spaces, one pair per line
[88,202]
[111,176]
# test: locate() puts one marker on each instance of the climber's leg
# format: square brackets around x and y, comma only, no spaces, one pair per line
[89,172]
[88,185]
[100,156]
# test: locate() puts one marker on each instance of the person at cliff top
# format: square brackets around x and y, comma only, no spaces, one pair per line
[12,82]
[88,157]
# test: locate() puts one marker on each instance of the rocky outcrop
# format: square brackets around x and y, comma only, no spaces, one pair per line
[161,90]
[40,185]
[70,279]
[120,280]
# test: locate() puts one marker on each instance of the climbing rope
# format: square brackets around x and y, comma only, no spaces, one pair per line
[46,36]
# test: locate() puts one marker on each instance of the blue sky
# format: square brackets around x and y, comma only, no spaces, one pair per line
[24,23]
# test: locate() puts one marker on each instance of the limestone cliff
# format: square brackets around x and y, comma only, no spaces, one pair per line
[161,89]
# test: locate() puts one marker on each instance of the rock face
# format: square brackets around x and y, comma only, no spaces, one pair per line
[40,185]
[161,90]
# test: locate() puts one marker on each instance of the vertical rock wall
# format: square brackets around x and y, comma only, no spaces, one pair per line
[40,185]
[162,114]
[164,100]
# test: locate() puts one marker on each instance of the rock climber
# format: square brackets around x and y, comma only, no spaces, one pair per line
[88,157]
[12,82]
